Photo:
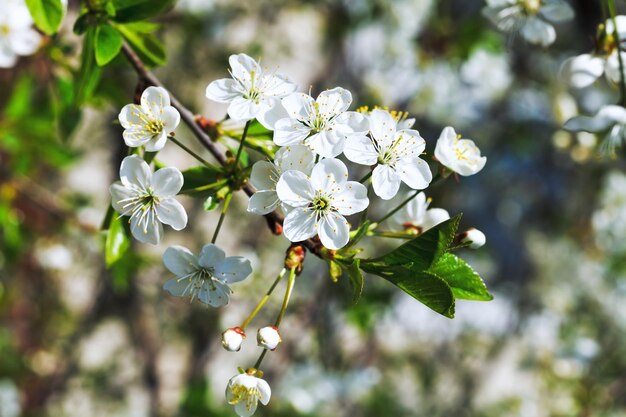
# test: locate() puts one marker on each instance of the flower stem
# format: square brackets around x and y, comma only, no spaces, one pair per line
[190,152]
[241,142]
[366,177]
[622,80]
[394,235]
[229,196]
[395,210]
[261,303]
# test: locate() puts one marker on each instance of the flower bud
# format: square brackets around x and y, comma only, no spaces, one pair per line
[268,337]
[233,338]
[474,237]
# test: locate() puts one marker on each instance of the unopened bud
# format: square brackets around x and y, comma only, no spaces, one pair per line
[233,338]
[268,337]
[474,237]
[295,257]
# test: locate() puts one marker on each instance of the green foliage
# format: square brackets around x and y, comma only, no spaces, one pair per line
[117,241]
[47,14]
[203,182]
[136,10]
[108,43]
[144,43]
[424,269]
[89,73]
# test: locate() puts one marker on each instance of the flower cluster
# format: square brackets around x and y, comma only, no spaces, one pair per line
[308,180]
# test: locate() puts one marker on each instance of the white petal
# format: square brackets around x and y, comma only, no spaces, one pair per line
[133,138]
[382,126]
[538,32]
[25,42]
[433,217]
[329,174]
[223,91]
[361,150]
[277,85]
[299,225]
[621,26]
[130,116]
[406,123]
[357,123]
[583,70]
[333,102]
[557,11]
[269,118]
[297,157]
[385,181]
[443,148]
[152,233]
[180,261]
[135,171]
[242,410]
[167,182]
[294,188]
[264,175]
[242,66]
[351,199]
[414,172]
[8,58]
[173,213]
[118,193]
[263,202]
[265,391]
[290,132]
[612,68]
[588,124]
[170,118]
[215,298]
[177,287]
[614,113]
[334,231]
[327,143]
[233,269]
[506,18]
[245,109]
[298,105]
[154,100]
[157,142]
[210,256]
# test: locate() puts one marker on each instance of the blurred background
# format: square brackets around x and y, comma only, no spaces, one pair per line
[78,339]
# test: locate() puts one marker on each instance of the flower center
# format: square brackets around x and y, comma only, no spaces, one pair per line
[321,204]
[249,395]
[385,157]
[531,7]
[154,126]
[4,29]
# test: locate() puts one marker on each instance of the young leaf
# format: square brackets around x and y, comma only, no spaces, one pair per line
[356,279]
[117,241]
[136,10]
[47,14]
[146,45]
[89,73]
[466,284]
[107,45]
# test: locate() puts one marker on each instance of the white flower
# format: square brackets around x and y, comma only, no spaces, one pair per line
[610,118]
[232,339]
[150,123]
[396,152]
[265,175]
[416,215]
[474,237]
[148,199]
[583,70]
[320,203]
[251,92]
[17,37]
[459,155]
[205,277]
[268,337]
[245,391]
[321,124]
[530,17]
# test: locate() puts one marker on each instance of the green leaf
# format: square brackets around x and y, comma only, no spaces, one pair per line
[20,102]
[466,284]
[202,181]
[47,14]
[356,279]
[211,203]
[136,10]
[107,45]
[117,241]
[89,73]
[146,45]
[334,270]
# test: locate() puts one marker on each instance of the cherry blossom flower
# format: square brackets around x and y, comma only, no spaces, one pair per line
[474,238]
[148,199]
[529,17]
[265,175]
[268,337]
[251,92]
[610,119]
[583,70]
[244,391]
[459,155]
[17,36]
[320,203]
[416,216]
[204,277]
[232,339]
[394,150]
[151,122]
[321,124]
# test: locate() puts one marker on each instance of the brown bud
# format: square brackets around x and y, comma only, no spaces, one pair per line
[295,257]
[208,125]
